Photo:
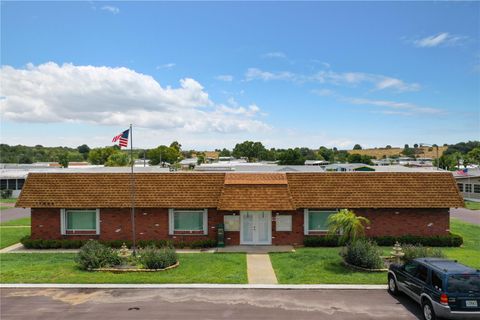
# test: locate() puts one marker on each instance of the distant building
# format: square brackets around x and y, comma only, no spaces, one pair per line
[316,162]
[348,167]
[13,176]
[188,163]
[468,182]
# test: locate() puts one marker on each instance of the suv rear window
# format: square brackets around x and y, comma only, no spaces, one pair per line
[463,283]
[437,282]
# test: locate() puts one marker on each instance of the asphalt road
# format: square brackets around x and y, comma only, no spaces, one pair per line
[203,304]
[472,216]
[14,213]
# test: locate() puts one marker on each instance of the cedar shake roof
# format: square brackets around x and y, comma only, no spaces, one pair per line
[112,190]
[242,191]
[374,190]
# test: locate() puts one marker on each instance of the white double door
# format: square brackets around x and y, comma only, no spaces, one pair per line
[256,227]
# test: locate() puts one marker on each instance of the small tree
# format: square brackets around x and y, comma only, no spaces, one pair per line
[118,159]
[63,160]
[348,224]
[357,147]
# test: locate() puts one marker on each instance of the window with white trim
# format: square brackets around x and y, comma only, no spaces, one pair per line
[476,188]
[460,187]
[80,221]
[316,220]
[188,221]
[468,187]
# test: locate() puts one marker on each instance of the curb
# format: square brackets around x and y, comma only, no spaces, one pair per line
[197,286]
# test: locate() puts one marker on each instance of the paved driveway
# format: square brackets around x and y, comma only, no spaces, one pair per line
[14,213]
[203,304]
[472,216]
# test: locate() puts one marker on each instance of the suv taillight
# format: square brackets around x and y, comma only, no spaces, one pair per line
[444,299]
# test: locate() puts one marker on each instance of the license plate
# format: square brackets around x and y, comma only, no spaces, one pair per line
[471,303]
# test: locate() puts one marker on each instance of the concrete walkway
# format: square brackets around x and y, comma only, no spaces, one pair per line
[256,249]
[260,270]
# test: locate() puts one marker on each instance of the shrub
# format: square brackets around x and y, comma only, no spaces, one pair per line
[75,244]
[322,241]
[156,243]
[209,243]
[152,257]
[96,255]
[419,251]
[363,253]
[451,240]
[51,244]
[6,193]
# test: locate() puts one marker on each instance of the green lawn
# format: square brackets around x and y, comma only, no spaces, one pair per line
[469,253]
[324,265]
[9,200]
[12,235]
[319,265]
[18,222]
[60,268]
[5,208]
[472,205]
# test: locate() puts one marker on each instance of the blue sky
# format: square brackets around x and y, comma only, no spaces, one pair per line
[213,74]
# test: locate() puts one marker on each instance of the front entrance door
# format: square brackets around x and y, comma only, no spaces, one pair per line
[256,227]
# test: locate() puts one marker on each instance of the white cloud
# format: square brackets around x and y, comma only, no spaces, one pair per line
[225,77]
[396,84]
[50,93]
[380,82]
[257,74]
[276,54]
[398,108]
[441,39]
[111,9]
[166,66]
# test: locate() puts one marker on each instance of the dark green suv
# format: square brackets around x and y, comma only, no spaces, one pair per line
[444,288]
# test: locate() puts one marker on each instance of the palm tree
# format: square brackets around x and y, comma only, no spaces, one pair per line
[346,223]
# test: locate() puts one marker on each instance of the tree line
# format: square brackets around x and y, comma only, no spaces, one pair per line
[456,155]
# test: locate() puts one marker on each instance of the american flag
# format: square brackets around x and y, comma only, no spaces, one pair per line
[463,172]
[122,138]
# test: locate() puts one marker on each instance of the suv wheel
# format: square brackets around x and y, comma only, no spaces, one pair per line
[428,313]
[392,285]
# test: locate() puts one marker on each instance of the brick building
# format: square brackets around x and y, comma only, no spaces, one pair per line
[256,208]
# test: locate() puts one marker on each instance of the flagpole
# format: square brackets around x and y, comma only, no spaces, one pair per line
[132,180]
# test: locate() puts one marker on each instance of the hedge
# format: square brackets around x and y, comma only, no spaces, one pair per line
[452,240]
[321,241]
[75,244]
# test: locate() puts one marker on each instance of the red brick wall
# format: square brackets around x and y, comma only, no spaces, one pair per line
[115,225]
[396,222]
[295,237]
[153,224]
[45,223]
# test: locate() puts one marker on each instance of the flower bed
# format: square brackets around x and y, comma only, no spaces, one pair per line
[94,256]
[133,269]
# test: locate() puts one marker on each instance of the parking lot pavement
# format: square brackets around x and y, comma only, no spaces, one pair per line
[14,213]
[203,304]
